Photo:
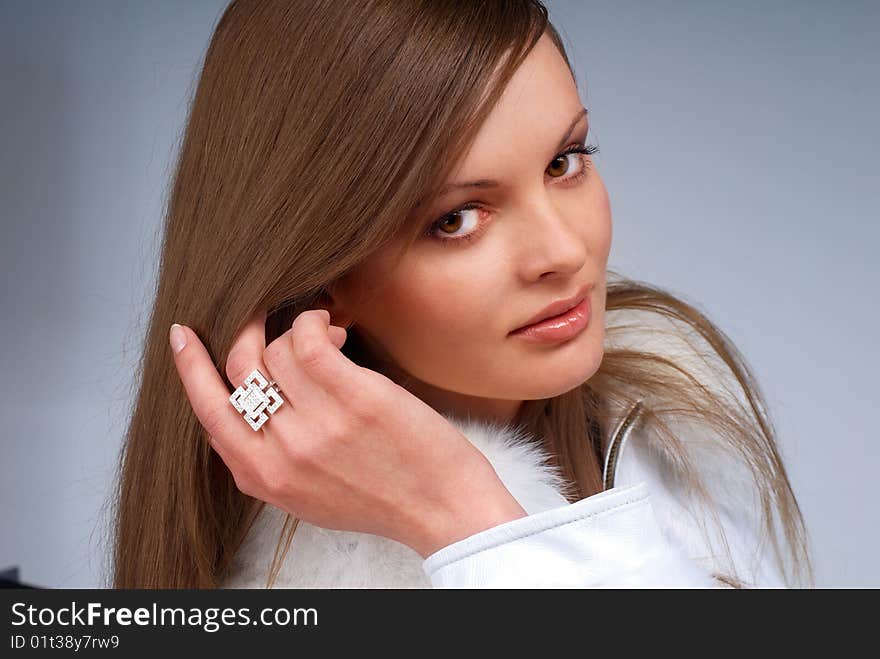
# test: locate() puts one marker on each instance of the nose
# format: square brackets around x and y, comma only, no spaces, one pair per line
[555,242]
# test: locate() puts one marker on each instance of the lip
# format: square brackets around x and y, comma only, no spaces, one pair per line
[562,327]
[557,308]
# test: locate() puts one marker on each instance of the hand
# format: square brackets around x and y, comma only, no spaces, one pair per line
[348,449]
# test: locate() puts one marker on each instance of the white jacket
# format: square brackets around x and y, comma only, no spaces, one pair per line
[641,531]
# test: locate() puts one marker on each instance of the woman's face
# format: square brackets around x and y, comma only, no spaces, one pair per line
[443,317]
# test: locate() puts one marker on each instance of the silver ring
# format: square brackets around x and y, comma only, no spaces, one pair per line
[256,399]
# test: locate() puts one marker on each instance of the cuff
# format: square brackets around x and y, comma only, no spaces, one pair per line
[610,539]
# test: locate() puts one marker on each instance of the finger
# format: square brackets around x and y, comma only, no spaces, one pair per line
[338,335]
[298,386]
[209,397]
[233,465]
[246,352]
[317,354]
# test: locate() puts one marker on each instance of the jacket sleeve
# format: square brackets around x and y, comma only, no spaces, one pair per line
[611,539]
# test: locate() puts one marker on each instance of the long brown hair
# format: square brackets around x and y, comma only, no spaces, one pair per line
[255,220]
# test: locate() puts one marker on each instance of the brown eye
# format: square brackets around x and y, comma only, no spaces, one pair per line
[450,224]
[559,166]
[446,228]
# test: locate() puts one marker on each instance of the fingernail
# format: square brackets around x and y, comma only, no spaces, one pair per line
[178,338]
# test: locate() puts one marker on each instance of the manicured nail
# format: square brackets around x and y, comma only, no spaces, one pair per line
[178,338]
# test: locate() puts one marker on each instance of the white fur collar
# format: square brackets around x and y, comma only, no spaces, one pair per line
[325,558]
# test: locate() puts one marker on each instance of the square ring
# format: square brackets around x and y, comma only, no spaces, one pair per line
[255,398]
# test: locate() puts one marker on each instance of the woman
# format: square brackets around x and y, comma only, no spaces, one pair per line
[419,174]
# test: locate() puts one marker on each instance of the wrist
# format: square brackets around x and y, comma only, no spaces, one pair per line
[483,504]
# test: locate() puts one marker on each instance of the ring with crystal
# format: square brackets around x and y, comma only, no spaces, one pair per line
[256,399]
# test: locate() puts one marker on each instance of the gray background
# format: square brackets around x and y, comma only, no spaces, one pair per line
[739,145]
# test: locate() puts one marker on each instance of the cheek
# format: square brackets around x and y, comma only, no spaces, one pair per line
[607,224]
[439,329]
[422,308]
[598,228]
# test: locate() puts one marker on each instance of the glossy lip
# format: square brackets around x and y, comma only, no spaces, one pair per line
[561,328]
[557,308]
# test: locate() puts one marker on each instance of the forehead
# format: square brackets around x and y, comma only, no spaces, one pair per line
[533,112]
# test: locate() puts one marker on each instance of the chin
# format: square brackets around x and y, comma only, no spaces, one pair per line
[557,381]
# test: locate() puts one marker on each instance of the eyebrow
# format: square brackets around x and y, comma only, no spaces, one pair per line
[484,183]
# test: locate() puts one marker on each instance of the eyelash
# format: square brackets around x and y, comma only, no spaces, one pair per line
[585,149]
